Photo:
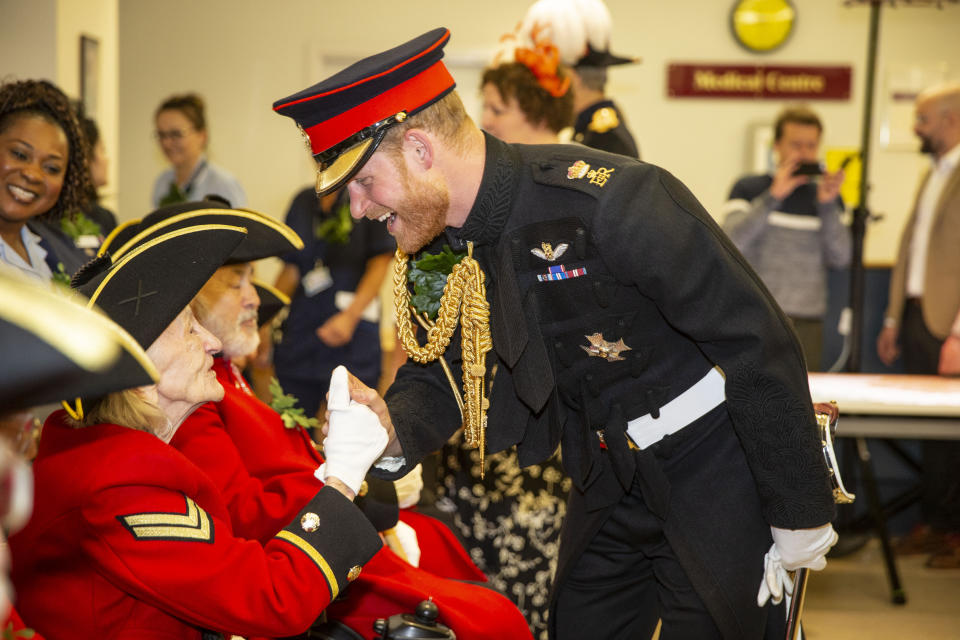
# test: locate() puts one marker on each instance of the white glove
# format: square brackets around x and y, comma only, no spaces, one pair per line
[409,487]
[355,437]
[405,537]
[776,581]
[791,550]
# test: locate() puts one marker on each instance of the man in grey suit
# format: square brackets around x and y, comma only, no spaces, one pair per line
[922,320]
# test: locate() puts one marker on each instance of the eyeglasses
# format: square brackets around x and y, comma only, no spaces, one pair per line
[173,134]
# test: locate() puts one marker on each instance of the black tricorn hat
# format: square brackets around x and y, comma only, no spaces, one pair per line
[146,289]
[265,237]
[54,347]
[346,116]
[148,286]
[272,300]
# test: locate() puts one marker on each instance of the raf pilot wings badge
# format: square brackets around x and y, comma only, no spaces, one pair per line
[547,252]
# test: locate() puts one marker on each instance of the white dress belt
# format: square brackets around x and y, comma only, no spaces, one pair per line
[696,401]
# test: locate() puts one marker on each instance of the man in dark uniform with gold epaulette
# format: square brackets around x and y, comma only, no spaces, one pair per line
[581,31]
[601,308]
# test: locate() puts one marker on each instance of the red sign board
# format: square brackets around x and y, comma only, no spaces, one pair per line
[769,82]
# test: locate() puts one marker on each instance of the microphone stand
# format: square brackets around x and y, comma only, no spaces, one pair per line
[861,214]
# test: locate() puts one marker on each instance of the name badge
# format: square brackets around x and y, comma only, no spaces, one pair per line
[316,280]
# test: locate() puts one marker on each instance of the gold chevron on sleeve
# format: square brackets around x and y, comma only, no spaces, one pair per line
[314,555]
[195,524]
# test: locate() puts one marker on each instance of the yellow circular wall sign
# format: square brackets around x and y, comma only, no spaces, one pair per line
[762,25]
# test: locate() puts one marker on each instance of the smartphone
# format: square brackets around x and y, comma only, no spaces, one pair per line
[808,169]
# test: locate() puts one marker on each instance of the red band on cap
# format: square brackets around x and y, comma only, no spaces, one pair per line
[406,96]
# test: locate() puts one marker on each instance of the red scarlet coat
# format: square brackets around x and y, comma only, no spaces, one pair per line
[265,472]
[267,447]
[129,539]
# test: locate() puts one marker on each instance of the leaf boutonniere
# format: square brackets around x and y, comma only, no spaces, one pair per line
[10,634]
[79,225]
[429,276]
[336,228]
[286,406]
[61,277]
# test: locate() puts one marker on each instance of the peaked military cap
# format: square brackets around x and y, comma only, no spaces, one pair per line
[54,347]
[346,116]
[265,236]
[272,300]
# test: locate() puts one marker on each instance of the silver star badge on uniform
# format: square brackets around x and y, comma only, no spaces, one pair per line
[600,348]
[547,252]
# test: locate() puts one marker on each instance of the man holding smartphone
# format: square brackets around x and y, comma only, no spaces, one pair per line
[787,224]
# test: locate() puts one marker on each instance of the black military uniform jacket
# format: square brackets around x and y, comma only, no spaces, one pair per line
[601,126]
[634,258]
[645,263]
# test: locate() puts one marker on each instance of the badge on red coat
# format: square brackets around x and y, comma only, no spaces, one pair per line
[194,524]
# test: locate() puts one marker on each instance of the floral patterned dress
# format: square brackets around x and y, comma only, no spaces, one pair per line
[509,521]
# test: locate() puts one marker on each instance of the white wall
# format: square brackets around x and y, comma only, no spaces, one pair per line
[96,19]
[28,47]
[244,54]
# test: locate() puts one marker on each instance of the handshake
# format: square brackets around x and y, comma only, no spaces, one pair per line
[355,438]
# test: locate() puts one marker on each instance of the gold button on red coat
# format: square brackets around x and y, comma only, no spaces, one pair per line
[310,522]
[354,573]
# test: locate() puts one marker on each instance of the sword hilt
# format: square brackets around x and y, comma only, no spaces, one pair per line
[827,415]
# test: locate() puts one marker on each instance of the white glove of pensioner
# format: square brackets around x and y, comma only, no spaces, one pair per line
[355,437]
[405,537]
[409,487]
[791,550]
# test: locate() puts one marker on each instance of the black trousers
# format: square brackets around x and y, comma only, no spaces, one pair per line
[697,566]
[940,501]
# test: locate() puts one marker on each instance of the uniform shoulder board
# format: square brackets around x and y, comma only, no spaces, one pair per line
[590,173]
